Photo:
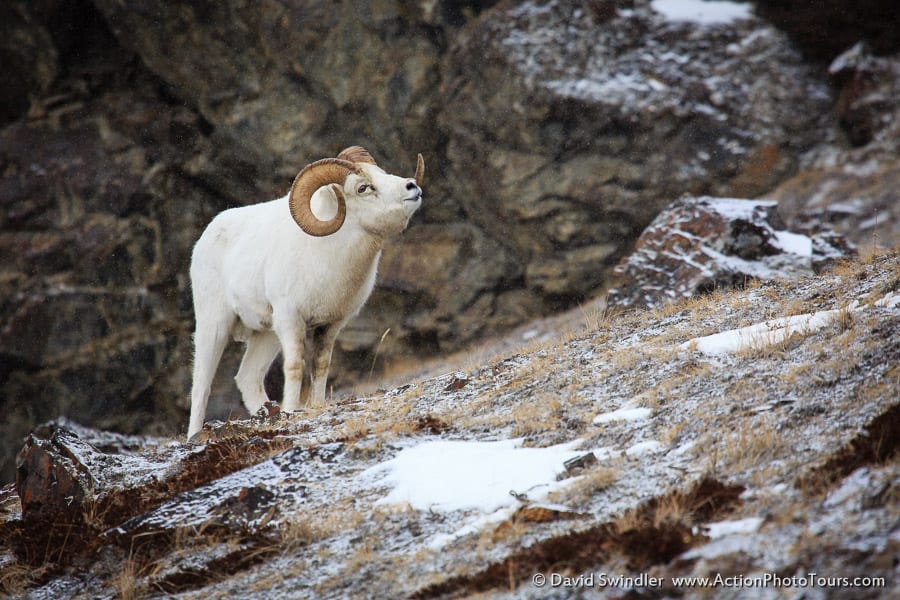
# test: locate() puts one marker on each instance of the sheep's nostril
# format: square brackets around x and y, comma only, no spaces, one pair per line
[411,185]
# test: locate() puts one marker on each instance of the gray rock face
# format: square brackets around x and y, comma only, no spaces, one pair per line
[852,182]
[570,127]
[554,133]
[290,81]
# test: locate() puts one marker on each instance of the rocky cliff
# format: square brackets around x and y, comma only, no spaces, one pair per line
[555,132]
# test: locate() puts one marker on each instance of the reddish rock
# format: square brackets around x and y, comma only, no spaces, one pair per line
[699,244]
[51,484]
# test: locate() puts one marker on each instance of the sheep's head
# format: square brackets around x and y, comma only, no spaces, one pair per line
[353,173]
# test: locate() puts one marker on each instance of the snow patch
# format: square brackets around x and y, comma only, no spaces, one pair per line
[794,243]
[776,331]
[733,544]
[644,448]
[851,488]
[623,414]
[703,13]
[890,300]
[761,335]
[726,528]
[682,449]
[464,475]
[866,169]
[738,208]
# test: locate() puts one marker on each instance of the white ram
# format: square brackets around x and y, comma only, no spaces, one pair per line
[259,278]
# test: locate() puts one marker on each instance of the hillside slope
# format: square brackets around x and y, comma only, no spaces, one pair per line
[630,446]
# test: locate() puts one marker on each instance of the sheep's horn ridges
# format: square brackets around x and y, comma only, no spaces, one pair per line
[420,170]
[311,178]
[356,154]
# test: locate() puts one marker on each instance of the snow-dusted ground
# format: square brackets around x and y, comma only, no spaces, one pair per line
[443,484]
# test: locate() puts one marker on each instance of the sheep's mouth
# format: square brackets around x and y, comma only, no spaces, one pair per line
[415,198]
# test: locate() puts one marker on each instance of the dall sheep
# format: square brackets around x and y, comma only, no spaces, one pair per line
[259,278]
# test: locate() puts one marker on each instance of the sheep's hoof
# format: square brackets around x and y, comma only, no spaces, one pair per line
[200,437]
[314,408]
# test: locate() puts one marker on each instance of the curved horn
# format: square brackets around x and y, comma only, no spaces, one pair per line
[420,170]
[356,154]
[311,178]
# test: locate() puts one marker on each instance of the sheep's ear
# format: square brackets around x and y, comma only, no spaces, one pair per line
[356,154]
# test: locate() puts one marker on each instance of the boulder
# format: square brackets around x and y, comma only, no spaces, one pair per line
[700,244]
[80,487]
[570,125]
[51,485]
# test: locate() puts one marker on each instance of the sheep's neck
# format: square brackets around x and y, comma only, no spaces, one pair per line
[359,263]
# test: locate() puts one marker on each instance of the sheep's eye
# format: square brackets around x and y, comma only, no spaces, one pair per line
[362,188]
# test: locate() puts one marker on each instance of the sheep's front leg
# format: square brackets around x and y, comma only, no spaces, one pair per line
[292,335]
[323,342]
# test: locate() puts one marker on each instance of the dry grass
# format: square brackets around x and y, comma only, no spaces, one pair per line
[583,489]
[354,428]
[844,319]
[796,376]
[508,532]
[848,269]
[306,530]
[15,577]
[595,316]
[671,509]
[868,254]
[128,583]
[363,556]
[701,306]
[773,343]
[536,413]
[672,434]
[668,309]
[299,533]
[628,359]
[754,441]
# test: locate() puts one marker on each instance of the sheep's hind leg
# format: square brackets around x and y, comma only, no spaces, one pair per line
[262,348]
[210,339]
